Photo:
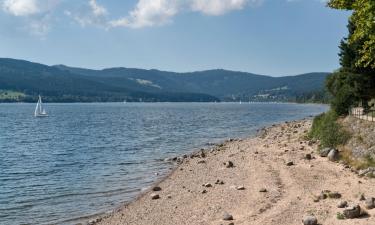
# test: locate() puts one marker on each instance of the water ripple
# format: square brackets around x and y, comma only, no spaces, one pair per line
[89,158]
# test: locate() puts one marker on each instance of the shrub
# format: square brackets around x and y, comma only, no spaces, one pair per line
[326,129]
[340,216]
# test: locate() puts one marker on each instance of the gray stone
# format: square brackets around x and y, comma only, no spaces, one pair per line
[333,155]
[263,190]
[323,195]
[308,156]
[156,188]
[370,203]
[207,185]
[240,188]
[310,220]
[366,171]
[342,204]
[352,212]
[227,216]
[154,196]
[291,163]
[334,195]
[229,164]
[324,152]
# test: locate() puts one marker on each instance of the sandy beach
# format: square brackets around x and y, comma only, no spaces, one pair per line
[268,180]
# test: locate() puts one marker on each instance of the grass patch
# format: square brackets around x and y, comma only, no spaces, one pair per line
[340,216]
[359,164]
[326,129]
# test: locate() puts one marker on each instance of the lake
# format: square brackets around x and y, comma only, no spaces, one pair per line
[86,159]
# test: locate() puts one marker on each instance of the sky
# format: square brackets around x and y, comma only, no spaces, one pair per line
[270,37]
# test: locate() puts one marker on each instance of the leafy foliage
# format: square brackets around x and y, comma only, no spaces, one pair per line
[326,129]
[355,80]
[362,34]
[348,89]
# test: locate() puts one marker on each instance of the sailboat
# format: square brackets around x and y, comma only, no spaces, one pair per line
[39,110]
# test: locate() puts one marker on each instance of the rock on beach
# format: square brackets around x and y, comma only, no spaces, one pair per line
[310,220]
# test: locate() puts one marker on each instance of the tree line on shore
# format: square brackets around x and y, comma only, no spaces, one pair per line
[353,84]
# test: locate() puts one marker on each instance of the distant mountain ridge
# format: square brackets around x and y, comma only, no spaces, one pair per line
[22,81]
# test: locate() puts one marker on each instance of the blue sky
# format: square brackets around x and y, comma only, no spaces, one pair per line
[272,37]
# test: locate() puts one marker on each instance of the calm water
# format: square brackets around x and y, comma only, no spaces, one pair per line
[90,158]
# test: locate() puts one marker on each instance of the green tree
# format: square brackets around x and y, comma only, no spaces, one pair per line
[361,30]
[355,80]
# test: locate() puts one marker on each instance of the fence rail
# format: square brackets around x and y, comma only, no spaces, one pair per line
[362,114]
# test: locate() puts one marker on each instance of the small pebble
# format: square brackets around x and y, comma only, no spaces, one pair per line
[156,188]
[229,164]
[208,185]
[154,196]
[240,188]
[227,216]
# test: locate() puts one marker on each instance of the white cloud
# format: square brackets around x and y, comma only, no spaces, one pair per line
[217,7]
[97,9]
[21,7]
[149,13]
[38,14]
[158,12]
[92,14]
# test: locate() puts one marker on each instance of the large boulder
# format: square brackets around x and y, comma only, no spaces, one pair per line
[352,212]
[333,155]
[310,220]
[324,152]
[370,203]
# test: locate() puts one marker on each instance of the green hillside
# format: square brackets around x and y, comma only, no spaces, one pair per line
[67,84]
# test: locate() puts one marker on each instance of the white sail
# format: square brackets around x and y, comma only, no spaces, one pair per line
[39,110]
[36,109]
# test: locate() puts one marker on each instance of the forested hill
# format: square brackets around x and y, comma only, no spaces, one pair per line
[23,81]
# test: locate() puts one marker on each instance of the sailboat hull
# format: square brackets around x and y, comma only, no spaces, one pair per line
[41,115]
